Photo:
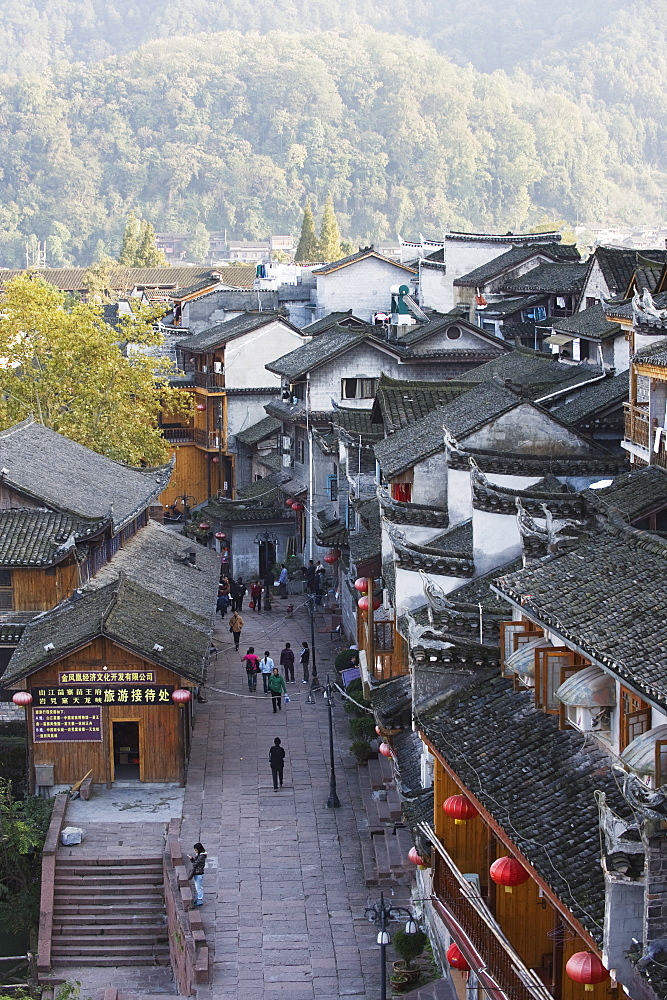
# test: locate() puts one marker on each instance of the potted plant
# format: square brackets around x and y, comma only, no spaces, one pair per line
[363,751]
[363,727]
[400,982]
[408,946]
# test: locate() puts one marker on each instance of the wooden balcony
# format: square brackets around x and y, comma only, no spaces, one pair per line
[499,968]
[179,435]
[210,440]
[211,381]
[636,425]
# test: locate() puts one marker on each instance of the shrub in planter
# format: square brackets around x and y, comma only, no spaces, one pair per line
[347,658]
[362,750]
[355,689]
[363,727]
[409,946]
[400,983]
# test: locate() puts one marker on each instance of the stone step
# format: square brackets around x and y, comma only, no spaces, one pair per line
[368,862]
[108,879]
[150,926]
[69,890]
[92,949]
[106,917]
[122,907]
[382,863]
[100,871]
[115,937]
[112,961]
[134,860]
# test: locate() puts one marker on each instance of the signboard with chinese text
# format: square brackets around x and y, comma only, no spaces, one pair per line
[89,676]
[125,694]
[67,724]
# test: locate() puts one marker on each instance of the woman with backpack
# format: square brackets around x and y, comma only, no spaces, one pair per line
[251,667]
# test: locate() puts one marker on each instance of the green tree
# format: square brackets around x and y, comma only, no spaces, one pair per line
[130,244]
[307,246]
[97,280]
[329,242]
[148,254]
[65,365]
[24,825]
[198,244]
[57,242]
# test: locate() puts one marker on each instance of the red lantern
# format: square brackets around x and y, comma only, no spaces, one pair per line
[363,603]
[181,696]
[456,958]
[508,871]
[220,534]
[215,459]
[296,507]
[361,584]
[332,556]
[378,731]
[459,808]
[385,750]
[204,525]
[22,699]
[585,967]
[201,406]
[289,502]
[415,856]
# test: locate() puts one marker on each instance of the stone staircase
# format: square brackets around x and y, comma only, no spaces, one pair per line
[386,844]
[109,912]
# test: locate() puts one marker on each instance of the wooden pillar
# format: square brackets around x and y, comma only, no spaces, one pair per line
[370,652]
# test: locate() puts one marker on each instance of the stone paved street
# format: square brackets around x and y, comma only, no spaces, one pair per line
[284,889]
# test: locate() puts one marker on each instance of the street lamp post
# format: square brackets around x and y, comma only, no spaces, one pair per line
[333,802]
[381,914]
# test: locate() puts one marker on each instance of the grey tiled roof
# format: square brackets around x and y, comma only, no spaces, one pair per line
[594,399]
[126,613]
[72,279]
[551,278]
[361,255]
[365,545]
[524,367]
[607,595]
[514,304]
[618,264]
[332,319]
[633,495]
[257,432]
[537,782]
[590,322]
[62,474]
[356,422]
[218,335]
[399,402]
[512,258]
[30,537]
[654,354]
[323,348]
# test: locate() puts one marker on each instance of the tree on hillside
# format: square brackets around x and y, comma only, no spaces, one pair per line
[130,244]
[307,246]
[329,242]
[198,244]
[65,366]
[148,254]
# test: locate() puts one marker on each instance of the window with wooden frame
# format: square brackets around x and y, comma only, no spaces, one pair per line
[635,717]
[550,665]
[512,635]
[6,590]
[567,671]
[660,763]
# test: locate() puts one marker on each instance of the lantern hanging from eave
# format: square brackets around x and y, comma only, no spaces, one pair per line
[585,967]
[385,750]
[181,696]
[507,871]
[456,958]
[378,731]
[289,502]
[361,584]
[220,535]
[332,556]
[215,459]
[201,406]
[204,525]
[415,857]
[296,507]
[22,699]
[364,602]
[459,808]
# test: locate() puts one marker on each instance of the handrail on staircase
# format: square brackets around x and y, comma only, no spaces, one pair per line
[48,882]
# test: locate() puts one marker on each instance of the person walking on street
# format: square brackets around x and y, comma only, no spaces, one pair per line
[277,689]
[304,660]
[283,580]
[277,762]
[236,624]
[256,595]
[287,662]
[221,604]
[198,865]
[320,575]
[269,581]
[251,667]
[310,577]
[233,595]
[266,666]
[242,590]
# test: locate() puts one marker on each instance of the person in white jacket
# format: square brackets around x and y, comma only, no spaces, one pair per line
[266,666]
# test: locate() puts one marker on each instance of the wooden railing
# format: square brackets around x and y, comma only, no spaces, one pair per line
[179,435]
[212,381]
[491,956]
[636,425]
[207,439]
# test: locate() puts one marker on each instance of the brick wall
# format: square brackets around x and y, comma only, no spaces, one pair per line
[188,950]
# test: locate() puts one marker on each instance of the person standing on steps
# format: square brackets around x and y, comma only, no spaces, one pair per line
[277,689]
[198,865]
[304,660]
[236,624]
[283,580]
[266,666]
[256,595]
[277,762]
[287,662]
[251,663]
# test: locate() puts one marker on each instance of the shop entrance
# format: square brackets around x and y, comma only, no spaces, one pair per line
[126,752]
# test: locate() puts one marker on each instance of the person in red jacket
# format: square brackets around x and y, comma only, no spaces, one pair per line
[251,663]
[256,595]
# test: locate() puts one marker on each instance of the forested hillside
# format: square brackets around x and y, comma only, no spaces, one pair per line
[237,130]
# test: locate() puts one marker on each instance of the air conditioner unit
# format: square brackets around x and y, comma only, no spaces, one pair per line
[286,442]
[287,461]
[473,878]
